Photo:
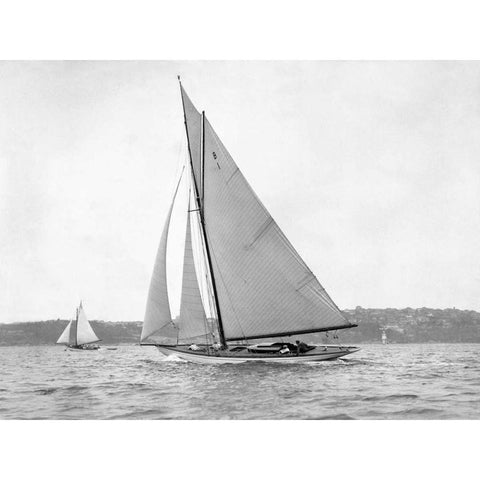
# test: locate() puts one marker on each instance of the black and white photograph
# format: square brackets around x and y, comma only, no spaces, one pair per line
[263,264]
[182,235]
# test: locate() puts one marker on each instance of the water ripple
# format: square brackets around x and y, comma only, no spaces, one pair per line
[378,382]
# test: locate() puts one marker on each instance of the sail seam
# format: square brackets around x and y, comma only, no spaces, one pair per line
[232,175]
[261,231]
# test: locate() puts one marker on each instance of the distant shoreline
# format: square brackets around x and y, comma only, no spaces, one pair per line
[408,325]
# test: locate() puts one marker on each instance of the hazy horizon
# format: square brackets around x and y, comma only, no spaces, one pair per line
[370,168]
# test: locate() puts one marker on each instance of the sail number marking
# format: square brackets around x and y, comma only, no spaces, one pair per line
[215,157]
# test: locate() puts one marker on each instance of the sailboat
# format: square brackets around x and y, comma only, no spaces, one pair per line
[79,334]
[258,288]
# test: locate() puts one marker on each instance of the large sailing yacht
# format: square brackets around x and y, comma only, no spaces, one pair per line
[257,285]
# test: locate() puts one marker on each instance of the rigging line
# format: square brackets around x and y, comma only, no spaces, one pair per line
[226,290]
[210,291]
[200,262]
[204,269]
[205,321]
[198,258]
[221,331]
[198,199]
[208,294]
[340,344]
[180,153]
[205,325]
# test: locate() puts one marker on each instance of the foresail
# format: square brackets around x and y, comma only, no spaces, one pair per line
[191,322]
[264,288]
[72,340]
[85,333]
[65,336]
[193,125]
[157,313]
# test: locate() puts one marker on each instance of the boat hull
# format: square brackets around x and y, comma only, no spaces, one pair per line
[84,348]
[318,354]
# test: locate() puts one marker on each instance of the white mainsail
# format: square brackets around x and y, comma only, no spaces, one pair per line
[157,314]
[264,288]
[85,333]
[192,322]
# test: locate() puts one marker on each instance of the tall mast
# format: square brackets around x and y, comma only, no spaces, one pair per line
[202,218]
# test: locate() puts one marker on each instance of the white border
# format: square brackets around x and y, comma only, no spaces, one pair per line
[241,30]
[251,29]
[238,449]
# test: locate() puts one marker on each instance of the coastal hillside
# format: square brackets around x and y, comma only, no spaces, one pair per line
[408,325]
[47,332]
[413,325]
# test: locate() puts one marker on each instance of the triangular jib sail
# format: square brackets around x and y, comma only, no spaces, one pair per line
[192,322]
[157,314]
[65,336]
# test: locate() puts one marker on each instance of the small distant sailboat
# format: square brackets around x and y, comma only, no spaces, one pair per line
[258,286]
[79,334]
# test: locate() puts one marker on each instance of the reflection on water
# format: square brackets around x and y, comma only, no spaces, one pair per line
[379,382]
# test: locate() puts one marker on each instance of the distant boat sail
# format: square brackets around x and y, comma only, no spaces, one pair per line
[258,285]
[79,334]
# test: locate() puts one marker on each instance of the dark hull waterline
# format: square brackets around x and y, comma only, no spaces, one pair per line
[84,348]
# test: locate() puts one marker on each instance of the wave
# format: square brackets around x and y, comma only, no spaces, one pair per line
[130,385]
[142,414]
[46,391]
[337,416]
[75,388]
[353,362]
[404,396]
[173,358]
[418,411]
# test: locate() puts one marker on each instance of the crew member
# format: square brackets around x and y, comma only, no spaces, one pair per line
[301,347]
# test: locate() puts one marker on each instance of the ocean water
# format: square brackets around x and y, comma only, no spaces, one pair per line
[431,381]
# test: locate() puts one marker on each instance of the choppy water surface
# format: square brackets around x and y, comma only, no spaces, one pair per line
[379,382]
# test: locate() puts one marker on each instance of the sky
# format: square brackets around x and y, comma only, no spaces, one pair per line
[372,170]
